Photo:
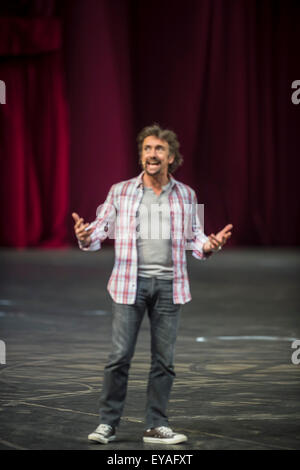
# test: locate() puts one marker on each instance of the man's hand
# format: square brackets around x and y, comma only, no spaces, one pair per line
[216,242]
[81,233]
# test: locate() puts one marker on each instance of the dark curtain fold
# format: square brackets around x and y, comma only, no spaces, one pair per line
[34,134]
[98,74]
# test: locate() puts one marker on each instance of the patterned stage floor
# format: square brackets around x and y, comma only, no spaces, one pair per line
[237,380]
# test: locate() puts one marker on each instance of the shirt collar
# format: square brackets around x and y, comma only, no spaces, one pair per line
[139,180]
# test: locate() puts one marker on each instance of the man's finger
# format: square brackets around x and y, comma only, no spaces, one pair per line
[213,238]
[215,243]
[79,223]
[83,229]
[75,216]
[227,228]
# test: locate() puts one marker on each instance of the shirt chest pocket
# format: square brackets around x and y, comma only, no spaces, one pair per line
[127,215]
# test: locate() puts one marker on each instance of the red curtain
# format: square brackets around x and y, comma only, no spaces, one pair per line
[218,72]
[34,134]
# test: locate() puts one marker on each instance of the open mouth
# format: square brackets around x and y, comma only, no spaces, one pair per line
[153,167]
[153,163]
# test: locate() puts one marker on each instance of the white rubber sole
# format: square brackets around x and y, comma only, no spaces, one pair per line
[95,437]
[177,439]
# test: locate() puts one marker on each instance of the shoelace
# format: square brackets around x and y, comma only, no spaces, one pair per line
[104,428]
[165,431]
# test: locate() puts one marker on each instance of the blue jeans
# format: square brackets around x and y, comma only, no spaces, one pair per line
[156,296]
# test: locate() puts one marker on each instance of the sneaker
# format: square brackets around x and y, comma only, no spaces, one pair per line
[103,434]
[163,435]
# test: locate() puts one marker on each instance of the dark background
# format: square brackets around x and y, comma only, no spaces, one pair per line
[84,76]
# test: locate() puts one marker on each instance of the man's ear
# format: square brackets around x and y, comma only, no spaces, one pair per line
[171,158]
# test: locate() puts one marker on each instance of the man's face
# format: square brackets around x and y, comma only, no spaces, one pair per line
[155,156]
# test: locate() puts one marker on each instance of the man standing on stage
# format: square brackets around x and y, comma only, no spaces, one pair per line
[149,273]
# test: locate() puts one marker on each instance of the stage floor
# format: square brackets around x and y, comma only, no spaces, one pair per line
[237,382]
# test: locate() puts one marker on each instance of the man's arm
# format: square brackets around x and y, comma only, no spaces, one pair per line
[90,236]
[198,240]
[204,246]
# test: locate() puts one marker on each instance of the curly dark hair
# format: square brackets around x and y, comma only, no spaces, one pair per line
[163,134]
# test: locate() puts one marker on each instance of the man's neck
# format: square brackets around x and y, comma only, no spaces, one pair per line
[155,182]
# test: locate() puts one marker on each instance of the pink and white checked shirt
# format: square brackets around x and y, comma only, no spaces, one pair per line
[116,218]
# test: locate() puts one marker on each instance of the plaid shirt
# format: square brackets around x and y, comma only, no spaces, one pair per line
[116,218]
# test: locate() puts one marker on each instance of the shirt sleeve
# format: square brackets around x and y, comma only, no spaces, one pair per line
[198,237]
[103,224]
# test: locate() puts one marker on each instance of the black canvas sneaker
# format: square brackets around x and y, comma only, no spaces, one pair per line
[163,435]
[103,434]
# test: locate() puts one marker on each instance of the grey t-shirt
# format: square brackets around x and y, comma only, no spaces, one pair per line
[154,242]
